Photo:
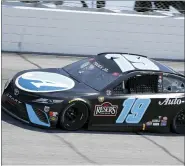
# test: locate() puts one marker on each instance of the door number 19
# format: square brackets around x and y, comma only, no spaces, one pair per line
[133,110]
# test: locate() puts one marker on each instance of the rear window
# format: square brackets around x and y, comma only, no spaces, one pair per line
[173,84]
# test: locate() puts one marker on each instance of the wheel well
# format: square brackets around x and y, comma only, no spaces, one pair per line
[172,122]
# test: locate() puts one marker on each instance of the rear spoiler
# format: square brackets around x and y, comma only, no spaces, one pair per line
[103,53]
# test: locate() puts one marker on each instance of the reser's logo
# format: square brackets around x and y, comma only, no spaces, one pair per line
[105,109]
[171,102]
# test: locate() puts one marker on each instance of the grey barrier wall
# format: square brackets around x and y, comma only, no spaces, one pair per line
[26,29]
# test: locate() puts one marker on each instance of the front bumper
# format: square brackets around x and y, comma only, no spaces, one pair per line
[25,112]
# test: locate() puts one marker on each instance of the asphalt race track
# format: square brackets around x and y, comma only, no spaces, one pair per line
[23,144]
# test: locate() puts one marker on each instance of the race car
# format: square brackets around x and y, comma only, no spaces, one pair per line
[110,91]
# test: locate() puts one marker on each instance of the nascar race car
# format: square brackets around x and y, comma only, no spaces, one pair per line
[109,91]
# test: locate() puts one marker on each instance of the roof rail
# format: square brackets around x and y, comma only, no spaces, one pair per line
[103,53]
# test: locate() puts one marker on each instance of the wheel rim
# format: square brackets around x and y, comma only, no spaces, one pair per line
[72,115]
[75,117]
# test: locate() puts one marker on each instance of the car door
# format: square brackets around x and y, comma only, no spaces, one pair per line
[131,102]
[139,100]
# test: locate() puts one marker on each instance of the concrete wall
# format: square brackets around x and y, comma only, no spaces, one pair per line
[81,32]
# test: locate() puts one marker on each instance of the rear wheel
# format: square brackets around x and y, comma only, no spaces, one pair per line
[74,116]
[179,123]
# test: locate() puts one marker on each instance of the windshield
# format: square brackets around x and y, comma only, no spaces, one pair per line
[92,73]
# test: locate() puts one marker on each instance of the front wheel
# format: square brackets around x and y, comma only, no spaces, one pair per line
[74,116]
[178,125]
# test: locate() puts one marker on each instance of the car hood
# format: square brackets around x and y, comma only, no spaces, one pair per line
[53,82]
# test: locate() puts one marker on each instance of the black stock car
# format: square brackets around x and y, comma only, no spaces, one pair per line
[110,91]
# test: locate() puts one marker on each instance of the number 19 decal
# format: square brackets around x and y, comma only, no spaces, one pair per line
[136,108]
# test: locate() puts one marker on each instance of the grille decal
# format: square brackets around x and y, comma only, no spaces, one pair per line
[33,117]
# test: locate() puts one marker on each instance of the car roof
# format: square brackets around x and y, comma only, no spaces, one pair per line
[128,62]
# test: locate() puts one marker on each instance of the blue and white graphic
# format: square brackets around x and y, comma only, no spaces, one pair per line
[43,82]
[33,117]
[136,108]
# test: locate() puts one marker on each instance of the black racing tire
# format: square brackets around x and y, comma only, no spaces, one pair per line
[74,116]
[178,124]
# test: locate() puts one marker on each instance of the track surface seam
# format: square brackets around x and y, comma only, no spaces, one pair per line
[71,146]
[161,147]
[30,62]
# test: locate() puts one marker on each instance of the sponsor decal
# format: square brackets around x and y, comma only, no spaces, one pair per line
[101,99]
[100,66]
[55,101]
[13,99]
[46,109]
[163,122]
[156,120]
[160,78]
[155,124]
[38,81]
[168,101]
[105,109]
[53,118]
[160,84]
[84,65]
[53,113]
[144,127]
[47,101]
[149,123]
[16,92]
[115,74]
[165,118]
[108,92]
